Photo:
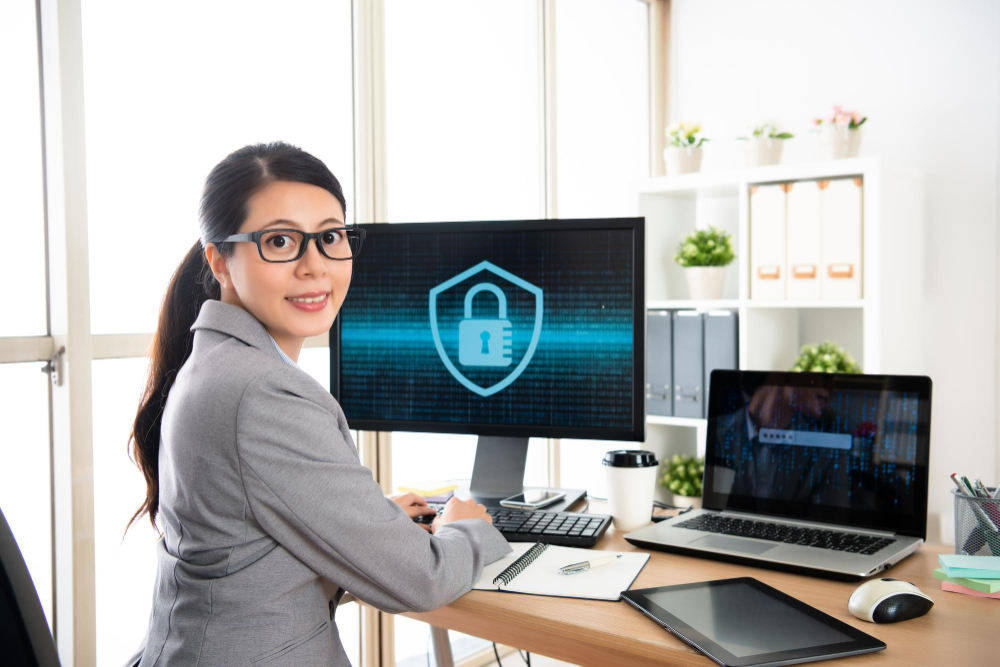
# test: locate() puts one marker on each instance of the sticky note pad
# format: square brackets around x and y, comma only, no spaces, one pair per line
[980,567]
[982,585]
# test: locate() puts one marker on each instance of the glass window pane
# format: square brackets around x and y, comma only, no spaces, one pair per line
[125,568]
[602,106]
[463,115]
[21,174]
[159,119]
[25,462]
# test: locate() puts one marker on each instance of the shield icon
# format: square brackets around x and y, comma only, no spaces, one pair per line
[535,334]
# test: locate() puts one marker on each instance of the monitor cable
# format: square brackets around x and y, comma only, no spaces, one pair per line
[527,659]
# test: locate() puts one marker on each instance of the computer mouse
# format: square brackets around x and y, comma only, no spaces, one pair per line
[888,600]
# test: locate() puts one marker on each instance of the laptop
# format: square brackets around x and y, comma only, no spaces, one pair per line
[818,473]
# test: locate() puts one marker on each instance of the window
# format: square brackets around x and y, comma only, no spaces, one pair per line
[463,121]
[22,271]
[159,119]
[602,106]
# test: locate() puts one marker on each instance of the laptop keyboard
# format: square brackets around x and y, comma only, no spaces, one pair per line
[790,534]
[574,529]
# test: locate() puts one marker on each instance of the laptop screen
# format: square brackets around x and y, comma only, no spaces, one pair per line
[833,448]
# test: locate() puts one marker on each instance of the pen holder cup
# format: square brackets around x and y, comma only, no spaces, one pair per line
[977,525]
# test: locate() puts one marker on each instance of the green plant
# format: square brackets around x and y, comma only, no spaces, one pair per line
[705,247]
[682,475]
[770,131]
[685,134]
[825,358]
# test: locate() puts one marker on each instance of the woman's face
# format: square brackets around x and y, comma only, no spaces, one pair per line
[273,292]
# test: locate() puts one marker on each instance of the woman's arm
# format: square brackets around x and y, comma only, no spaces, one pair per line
[307,488]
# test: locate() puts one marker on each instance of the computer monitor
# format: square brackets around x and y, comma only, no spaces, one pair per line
[506,330]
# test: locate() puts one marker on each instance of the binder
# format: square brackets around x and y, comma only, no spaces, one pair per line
[659,371]
[767,242]
[805,263]
[688,367]
[721,346]
[842,224]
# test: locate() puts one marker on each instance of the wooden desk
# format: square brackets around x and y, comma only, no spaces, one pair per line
[960,629]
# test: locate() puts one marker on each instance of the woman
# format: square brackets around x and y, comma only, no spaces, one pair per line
[266,512]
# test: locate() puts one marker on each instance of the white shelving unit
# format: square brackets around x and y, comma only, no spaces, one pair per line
[771,332]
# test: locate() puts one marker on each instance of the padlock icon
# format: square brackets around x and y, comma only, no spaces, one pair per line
[483,342]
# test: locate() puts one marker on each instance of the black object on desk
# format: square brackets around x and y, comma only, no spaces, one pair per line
[572,529]
[742,622]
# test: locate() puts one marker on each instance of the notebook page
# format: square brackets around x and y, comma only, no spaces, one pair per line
[542,576]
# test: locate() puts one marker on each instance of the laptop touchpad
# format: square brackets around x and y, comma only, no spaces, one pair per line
[733,544]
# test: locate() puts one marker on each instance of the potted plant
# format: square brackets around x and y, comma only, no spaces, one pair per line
[827,357]
[704,255]
[683,154]
[840,133]
[683,474]
[764,145]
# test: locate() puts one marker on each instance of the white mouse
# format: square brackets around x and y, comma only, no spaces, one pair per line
[888,601]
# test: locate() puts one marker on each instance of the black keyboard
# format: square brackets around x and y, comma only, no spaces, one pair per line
[790,534]
[573,529]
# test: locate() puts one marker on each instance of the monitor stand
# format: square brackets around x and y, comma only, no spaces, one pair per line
[498,472]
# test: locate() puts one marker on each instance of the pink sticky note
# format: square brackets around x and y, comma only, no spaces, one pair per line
[958,588]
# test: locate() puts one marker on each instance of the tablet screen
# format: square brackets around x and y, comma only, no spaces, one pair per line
[746,621]
[743,622]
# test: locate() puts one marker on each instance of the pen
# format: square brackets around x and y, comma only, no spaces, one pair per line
[585,565]
[980,488]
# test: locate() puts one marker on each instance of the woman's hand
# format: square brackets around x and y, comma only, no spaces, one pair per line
[413,505]
[456,510]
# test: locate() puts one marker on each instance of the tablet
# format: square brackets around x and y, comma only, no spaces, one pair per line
[743,622]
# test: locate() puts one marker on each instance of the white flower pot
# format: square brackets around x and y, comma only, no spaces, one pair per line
[763,150]
[837,141]
[854,142]
[682,159]
[705,282]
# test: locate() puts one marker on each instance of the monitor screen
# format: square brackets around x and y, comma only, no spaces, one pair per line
[526,328]
[836,448]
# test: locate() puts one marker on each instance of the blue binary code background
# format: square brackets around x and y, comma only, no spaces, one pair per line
[581,372]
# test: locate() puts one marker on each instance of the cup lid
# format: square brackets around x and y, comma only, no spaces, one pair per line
[630,458]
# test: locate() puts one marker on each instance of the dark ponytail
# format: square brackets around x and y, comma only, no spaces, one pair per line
[224,202]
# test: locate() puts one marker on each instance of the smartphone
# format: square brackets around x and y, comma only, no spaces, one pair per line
[532,500]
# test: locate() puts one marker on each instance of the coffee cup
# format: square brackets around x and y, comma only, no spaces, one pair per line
[631,477]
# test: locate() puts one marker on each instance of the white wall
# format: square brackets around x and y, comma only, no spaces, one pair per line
[928,76]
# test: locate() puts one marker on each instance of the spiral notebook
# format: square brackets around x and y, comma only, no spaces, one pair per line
[534,569]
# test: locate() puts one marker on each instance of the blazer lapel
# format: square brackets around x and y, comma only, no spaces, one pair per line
[236,322]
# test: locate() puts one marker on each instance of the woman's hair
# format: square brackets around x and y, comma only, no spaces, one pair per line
[224,202]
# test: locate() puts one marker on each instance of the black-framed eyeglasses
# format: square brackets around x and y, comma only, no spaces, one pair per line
[288,245]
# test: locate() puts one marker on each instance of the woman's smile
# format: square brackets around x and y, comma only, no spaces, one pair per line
[309,302]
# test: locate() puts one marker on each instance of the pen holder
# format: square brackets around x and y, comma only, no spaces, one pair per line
[977,525]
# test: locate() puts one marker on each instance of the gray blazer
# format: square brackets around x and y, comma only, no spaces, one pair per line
[267,515]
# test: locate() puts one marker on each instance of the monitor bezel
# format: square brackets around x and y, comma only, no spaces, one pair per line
[638,430]
[913,525]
